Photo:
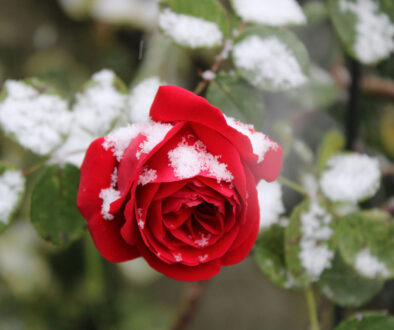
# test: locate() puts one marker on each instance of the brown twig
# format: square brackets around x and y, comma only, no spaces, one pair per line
[219,59]
[369,84]
[189,304]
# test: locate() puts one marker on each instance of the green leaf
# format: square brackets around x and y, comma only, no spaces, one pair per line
[353,20]
[368,321]
[315,12]
[54,212]
[367,235]
[236,98]
[12,188]
[271,58]
[343,286]
[208,10]
[333,142]
[319,92]
[270,257]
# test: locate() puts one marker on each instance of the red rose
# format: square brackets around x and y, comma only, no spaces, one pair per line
[179,191]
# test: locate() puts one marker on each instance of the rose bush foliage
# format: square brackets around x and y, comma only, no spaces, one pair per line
[180,190]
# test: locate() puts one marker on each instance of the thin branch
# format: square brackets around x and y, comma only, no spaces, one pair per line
[369,84]
[189,304]
[219,59]
[311,303]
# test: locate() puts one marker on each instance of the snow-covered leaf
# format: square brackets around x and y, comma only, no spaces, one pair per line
[332,143]
[365,240]
[367,321]
[366,27]
[100,104]
[278,12]
[194,24]
[350,177]
[344,286]
[270,257]
[308,242]
[236,98]
[12,187]
[54,212]
[271,58]
[141,98]
[34,115]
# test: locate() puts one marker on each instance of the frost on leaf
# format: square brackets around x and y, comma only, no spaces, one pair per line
[315,254]
[260,142]
[374,30]
[278,12]
[12,186]
[350,177]
[119,140]
[99,106]
[270,202]
[37,121]
[191,160]
[141,99]
[268,61]
[190,31]
[369,266]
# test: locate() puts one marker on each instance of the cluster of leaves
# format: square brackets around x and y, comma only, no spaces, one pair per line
[255,56]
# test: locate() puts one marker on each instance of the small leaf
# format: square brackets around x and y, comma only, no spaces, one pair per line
[271,59]
[236,98]
[345,287]
[368,321]
[365,241]
[12,187]
[194,24]
[365,27]
[270,257]
[315,11]
[54,212]
[308,242]
[333,142]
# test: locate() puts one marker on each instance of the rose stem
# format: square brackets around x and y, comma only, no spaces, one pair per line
[311,303]
[189,304]
[218,61]
[34,167]
[293,185]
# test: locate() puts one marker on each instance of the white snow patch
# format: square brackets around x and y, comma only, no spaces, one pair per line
[119,140]
[270,202]
[315,255]
[147,175]
[141,98]
[140,221]
[350,177]
[99,106]
[370,266]
[203,241]
[190,160]
[203,257]
[208,75]
[374,30]
[38,122]
[270,61]
[12,186]
[142,13]
[178,257]
[188,30]
[109,195]
[278,12]
[260,142]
